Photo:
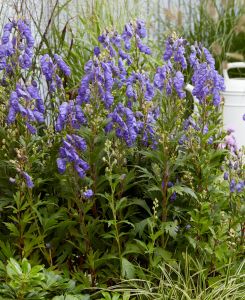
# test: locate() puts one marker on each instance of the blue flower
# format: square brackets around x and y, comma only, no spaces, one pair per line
[69,153]
[179,84]
[88,194]
[124,122]
[61,163]
[143,48]
[239,186]
[173,197]
[226,176]
[96,51]
[62,65]
[70,114]
[21,102]
[140,29]
[47,67]
[28,180]
[232,186]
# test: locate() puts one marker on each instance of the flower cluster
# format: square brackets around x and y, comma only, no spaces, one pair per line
[21,44]
[124,121]
[69,153]
[237,186]
[234,164]
[49,70]
[146,88]
[114,42]
[25,59]
[166,78]
[28,103]
[175,47]
[70,113]
[146,127]
[206,80]
[102,76]
[229,142]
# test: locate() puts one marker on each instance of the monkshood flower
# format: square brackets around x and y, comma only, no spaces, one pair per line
[122,119]
[144,84]
[47,67]
[175,47]
[25,59]
[69,153]
[22,43]
[169,185]
[49,70]
[161,75]
[97,51]
[207,82]
[166,78]
[146,127]
[179,83]
[6,32]
[112,41]
[190,123]
[226,176]
[28,180]
[173,197]
[101,76]
[140,29]
[143,48]
[70,114]
[210,140]
[25,32]
[125,56]
[34,93]
[27,103]
[182,139]
[240,186]
[232,185]
[88,194]
[193,56]
[62,65]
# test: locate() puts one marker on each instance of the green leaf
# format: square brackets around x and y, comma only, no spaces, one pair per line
[179,189]
[13,268]
[13,229]
[128,269]
[171,228]
[192,242]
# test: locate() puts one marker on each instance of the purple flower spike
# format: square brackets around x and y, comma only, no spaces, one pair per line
[179,84]
[96,51]
[62,65]
[141,30]
[226,176]
[61,163]
[28,180]
[69,153]
[47,67]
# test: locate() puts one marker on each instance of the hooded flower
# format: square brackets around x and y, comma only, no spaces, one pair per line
[69,153]
[27,103]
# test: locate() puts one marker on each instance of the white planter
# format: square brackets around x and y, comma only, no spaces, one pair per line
[234,103]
